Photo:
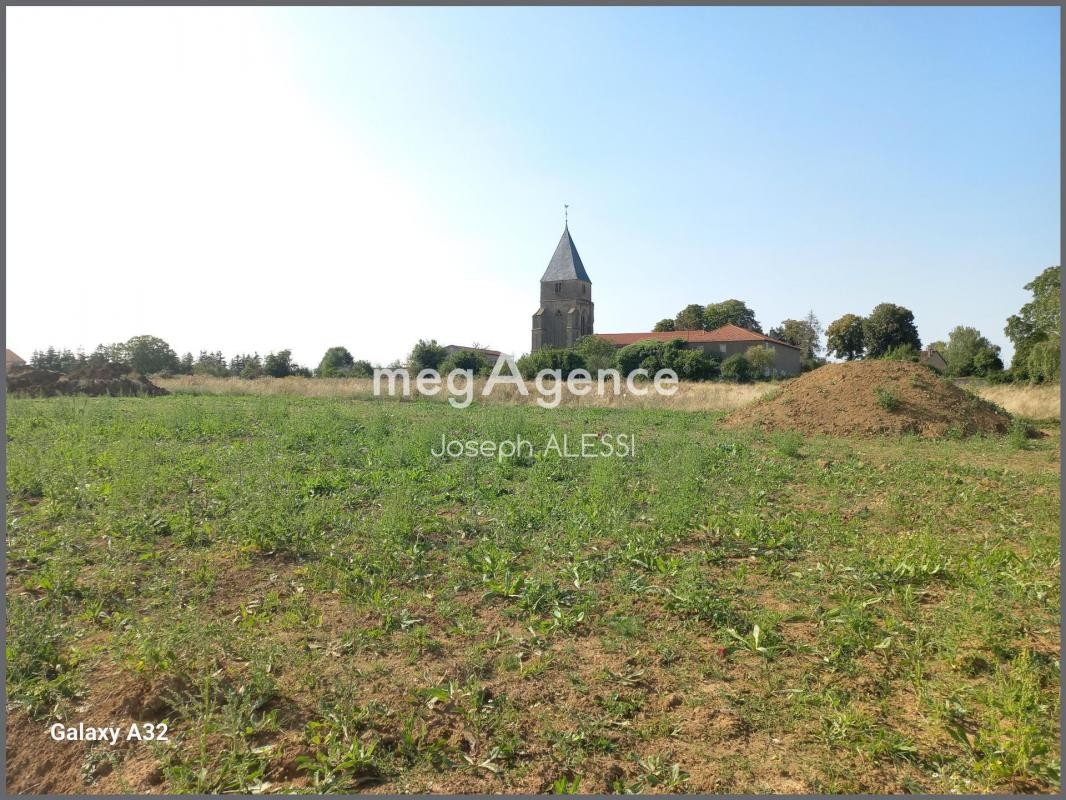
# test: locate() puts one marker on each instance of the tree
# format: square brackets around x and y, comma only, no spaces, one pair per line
[186,364]
[362,369]
[426,355]
[597,352]
[251,368]
[549,358]
[969,353]
[337,361]
[279,364]
[736,368]
[664,325]
[1038,321]
[148,354]
[694,365]
[761,359]
[730,312]
[844,337]
[211,364]
[690,318]
[802,333]
[466,360]
[889,326]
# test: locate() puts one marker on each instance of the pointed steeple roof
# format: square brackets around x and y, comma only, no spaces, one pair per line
[566,263]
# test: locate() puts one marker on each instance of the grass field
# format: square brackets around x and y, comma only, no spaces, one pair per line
[311,601]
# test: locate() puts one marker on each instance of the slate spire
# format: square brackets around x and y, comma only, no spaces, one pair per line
[566,263]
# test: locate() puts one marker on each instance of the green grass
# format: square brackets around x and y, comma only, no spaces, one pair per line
[314,602]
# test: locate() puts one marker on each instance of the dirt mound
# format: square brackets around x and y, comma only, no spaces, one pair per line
[113,380]
[867,398]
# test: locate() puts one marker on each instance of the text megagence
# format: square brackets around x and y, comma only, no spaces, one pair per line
[548,383]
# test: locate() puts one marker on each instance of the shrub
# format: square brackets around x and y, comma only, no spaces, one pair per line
[466,360]
[886,398]
[1020,433]
[788,443]
[597,352]
[550,358]
[903,352]
[695,365]
[736,368]
[761,358]
[362,369]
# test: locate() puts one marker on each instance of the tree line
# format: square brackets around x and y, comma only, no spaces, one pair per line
[888,331]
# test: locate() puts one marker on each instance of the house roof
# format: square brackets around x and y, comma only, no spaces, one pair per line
[726,333]
[566,263]
[12,359]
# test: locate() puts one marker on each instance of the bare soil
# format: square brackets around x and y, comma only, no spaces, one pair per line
[111,380]
[870,398]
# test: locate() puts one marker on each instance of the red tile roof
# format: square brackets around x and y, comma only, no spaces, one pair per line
[727,333]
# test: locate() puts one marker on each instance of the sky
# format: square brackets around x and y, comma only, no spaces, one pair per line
[253,179]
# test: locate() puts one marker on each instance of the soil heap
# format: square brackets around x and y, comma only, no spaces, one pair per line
[113,380]
[868,398]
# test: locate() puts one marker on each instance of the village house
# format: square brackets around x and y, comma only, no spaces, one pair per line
[11,359]
[566,314]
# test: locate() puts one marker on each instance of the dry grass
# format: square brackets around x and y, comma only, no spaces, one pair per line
[1032,402]
[689,397]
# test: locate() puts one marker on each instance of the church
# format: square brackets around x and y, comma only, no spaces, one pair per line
[566,314]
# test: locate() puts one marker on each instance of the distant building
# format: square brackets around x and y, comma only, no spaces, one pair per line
[721,342]
[565,313]
[932,358]
[11,359]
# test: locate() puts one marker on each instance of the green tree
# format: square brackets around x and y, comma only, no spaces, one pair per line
[466,360]
[730,312]
[736,368]
[426,355]
[336,362]
[844,337]
[802,333]
[148,354]
[694,365]
[761,358]
[550,358]
[185,365]
[969,353]
[362,369]
[889,326]
[279,364]
[1038,321]
[597,353]
[211,364]
[690,318]
[664,325]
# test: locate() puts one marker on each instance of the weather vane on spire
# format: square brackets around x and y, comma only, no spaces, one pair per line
[566,215]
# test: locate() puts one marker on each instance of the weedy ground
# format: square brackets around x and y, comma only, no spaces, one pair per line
[311,601]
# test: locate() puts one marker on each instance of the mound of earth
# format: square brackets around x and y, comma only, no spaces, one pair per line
[866,398]
[107,379]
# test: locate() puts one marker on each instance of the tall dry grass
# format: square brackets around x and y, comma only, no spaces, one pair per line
[689,396]
[1033,402]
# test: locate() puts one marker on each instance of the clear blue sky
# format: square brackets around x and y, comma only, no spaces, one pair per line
[793,158]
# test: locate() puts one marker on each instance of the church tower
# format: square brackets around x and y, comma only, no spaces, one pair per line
[565,313]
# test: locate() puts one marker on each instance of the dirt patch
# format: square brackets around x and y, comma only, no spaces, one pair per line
[112,380]
[870,398]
